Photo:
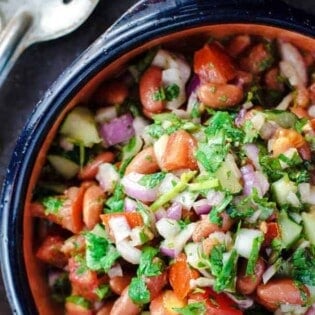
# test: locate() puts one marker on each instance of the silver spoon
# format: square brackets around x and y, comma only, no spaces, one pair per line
[25,22]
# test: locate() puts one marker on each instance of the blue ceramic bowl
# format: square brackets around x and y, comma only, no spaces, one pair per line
[148,23]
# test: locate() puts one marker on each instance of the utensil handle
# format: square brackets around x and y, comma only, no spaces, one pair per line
[10,38]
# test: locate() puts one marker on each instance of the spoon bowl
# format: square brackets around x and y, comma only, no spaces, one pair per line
[30,21]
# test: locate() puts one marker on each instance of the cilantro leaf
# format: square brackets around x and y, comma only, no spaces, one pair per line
[100,254]
[212,154]
[245,207]
[299,124]
[196,308]
[303,265]
[52,204]
[116,202]
[171,92]
[138,291]
[250,132]
[151,180]
[79,300]
[149,266]
[102,291]
[216,259]
[214,215]
[254,254]
[226,277]
[222,122]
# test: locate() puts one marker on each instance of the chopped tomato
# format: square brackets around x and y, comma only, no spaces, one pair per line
[165,303]
[216,303]
[155,284]
[50,251]
[300,112]
[179,152]
[75,309]
[213,64]
[83,280]
[258,60]
[133,218]
[238,44]
[272,231]
[180,275]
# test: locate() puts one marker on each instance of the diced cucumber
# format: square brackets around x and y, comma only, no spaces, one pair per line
[284,192]
[290,231]
[63,166]
[244,241]
[80,127]
[229,175]
[309,226]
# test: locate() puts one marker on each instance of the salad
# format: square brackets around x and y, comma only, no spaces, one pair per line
[186,186]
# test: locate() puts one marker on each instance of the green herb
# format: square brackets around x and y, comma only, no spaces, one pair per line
[212,154]
[138,291]
[177,189]
[303,263]
[216,259]
[226,278]
[81,264]
[195,113]
[299,124]
[152,180]
[172,92]
[222,124]
[101,255]
[159,95]
[266,63]
[166,94]
[254,254]
[149,265]
[214,215]
[293,161]
[116,202]
[79,300]
[52,204]
[196,308]
[246,206]
[250,132]
[183,223]
[102,291]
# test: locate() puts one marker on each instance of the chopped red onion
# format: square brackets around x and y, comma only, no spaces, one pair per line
[192,84]
[167,228]
[243,304]
[251,151]
[202,206]
[118,130]
[128,252]
[107,177]
[137,191]
[215,197]
[291,54]
[161,213]
[130,205]
[254,179]
[268,130]
[240,118]
[175,211]
[53,277]
[66,144]
[119,227]
[311,310]
[170,252]
[115,271]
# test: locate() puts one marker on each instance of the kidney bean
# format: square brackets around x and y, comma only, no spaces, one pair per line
[281,291]
[248,284]
[106,308]
[123,305]
[118,284]
[112,93]
[144,162]
[93,201]
[204,227]
[220,95]
[89,171]
[149,85]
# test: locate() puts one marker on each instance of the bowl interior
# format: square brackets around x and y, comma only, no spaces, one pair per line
[182,40]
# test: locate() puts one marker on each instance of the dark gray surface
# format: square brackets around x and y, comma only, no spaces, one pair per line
[38,67]
[35,71]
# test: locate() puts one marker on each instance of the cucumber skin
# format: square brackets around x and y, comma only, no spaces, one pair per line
[290,231]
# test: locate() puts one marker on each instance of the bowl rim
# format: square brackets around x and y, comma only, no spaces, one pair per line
[145,21]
